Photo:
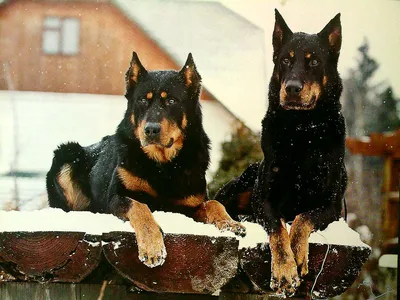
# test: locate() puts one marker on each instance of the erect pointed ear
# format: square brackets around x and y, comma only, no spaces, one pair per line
[332,34]
[281,33]
[134,72]
[189,72]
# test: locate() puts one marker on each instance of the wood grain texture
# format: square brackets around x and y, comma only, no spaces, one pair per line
[49,256]
[341,268]
[194,264]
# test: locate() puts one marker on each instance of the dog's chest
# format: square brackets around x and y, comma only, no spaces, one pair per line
[169,185]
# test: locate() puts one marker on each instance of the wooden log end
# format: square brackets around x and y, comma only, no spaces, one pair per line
[194,264]
[327,277]
[49,256]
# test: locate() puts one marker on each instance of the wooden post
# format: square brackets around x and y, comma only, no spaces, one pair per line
[386,145]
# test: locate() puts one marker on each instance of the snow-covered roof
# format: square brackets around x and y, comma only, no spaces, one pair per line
[228,49]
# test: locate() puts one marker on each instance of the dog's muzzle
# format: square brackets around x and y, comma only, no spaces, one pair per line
[152,134]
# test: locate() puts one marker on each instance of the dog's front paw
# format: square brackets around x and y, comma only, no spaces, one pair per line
[152,252]
[300,251]
[231,225]
[284,278]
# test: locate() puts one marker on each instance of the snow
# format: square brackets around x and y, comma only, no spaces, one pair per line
[52,219]
[337,233]
[255,235]
[388,261]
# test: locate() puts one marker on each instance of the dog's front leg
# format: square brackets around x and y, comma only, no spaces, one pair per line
[284,278]
[213,212]
[299,234]
[306,223]
[148,234]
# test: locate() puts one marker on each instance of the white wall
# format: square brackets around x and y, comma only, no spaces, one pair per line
[44,120]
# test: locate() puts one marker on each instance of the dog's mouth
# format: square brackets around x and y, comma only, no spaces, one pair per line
[297,104]
[157,143]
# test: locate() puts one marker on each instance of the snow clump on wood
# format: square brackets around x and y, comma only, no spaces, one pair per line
[52,219]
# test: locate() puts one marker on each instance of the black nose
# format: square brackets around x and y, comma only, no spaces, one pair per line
[152,129]
[293,87]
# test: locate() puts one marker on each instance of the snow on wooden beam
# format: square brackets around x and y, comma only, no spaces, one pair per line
[338,271]
[200,259]
[336,256]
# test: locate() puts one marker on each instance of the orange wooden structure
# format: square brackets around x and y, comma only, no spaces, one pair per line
[386,145]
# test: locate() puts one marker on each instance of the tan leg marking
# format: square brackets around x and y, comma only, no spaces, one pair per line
[299,234]
[325,80]
[284,278]
[134,183]
[213,212]
[76,200]
[148,235]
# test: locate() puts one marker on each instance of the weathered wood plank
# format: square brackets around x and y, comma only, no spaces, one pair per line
[57,291]
[194,264]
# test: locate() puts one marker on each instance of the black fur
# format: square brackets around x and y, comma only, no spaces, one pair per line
[94,168]
[303,168]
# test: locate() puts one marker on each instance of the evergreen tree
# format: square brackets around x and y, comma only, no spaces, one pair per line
[386,115]
[238,153]
[358,104]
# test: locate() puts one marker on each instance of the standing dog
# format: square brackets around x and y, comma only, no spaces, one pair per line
[302,177]
[156,160]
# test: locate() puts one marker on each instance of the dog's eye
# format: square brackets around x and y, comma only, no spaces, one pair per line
[314,63]
[171,101]
[286,61]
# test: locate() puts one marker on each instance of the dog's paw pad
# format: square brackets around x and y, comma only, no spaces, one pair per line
[285,281]
[154,256]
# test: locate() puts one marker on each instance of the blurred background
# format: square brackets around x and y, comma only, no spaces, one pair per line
[62,66]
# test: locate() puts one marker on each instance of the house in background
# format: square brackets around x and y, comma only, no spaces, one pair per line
[65,63]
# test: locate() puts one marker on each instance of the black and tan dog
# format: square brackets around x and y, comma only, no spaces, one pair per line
[302,177]
[156,160]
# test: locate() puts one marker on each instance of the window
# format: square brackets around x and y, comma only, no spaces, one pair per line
[60,35]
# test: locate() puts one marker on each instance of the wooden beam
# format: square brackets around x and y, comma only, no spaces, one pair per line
[194,264]
[49,256]
[377,144]
[340,269]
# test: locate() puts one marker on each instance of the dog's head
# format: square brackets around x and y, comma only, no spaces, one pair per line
[158,105]
[304,63]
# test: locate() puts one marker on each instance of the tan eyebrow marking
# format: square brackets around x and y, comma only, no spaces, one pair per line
[325,80]
[149,95]
[308,55]
[291,53]
[164,94]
